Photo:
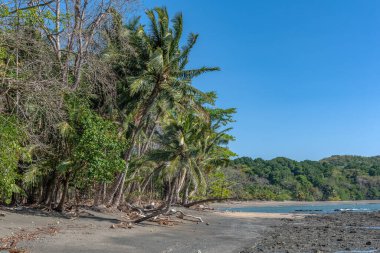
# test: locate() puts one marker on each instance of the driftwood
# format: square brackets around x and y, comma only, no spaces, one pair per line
[122,225]
[182,216]
[152,215]
[168,212]
[206,200]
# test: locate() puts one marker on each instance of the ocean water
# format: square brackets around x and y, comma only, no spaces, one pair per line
[309,209]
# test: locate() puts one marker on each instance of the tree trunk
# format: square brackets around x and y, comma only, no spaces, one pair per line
[118,189]
[48,189]
[109,198]
[98,194]
[59,207]
[179,185]
[119,193]
[185,197]
[104,192]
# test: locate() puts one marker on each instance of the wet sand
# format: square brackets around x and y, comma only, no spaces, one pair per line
[338,232]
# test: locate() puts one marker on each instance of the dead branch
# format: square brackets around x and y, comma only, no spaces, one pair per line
[152,215]
[31,6]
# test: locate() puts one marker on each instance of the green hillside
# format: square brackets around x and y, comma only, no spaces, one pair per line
[333,178]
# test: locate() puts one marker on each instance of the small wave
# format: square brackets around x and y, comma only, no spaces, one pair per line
[358,251]
[373,228]
[352,210]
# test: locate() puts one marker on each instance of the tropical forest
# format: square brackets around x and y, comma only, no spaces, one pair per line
[97,108]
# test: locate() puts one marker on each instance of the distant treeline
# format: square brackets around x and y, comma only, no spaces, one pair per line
[333,178]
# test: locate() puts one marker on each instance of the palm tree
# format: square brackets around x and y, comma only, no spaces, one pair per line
[190,146]
[162,76]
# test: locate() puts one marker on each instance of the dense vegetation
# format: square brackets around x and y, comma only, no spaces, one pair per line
[98,108]
[333,178]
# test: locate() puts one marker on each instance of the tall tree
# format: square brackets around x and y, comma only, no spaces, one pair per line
[163,76]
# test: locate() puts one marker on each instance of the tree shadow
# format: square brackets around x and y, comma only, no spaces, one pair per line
[43,212]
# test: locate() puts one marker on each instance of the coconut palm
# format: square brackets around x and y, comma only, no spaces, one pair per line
[163,77]
[191,146]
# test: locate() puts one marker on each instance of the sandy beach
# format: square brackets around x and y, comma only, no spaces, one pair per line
[92,232]
[220,232]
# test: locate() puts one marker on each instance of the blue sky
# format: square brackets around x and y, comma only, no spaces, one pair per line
[304,75]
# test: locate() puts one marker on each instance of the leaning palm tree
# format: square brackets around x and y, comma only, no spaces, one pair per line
[161,76]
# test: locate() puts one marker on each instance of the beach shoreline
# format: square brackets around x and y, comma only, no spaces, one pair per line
[220,232]
[264,203]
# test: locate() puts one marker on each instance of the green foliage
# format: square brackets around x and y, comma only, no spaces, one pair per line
[11,152]
[219,186]
[334,178]
[94,145]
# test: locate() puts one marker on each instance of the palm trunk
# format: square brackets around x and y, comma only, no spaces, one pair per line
[185,197]
[179,185]
[117,190]
[119,193]
[109,198]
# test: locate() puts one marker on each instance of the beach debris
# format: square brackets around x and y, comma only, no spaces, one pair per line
[150,206]
[182,215]
[2,214]
[135,215]
[9,243]
[122,224]
[166,221]
[17,251]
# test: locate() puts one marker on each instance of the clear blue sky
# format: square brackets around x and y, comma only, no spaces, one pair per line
[304,75]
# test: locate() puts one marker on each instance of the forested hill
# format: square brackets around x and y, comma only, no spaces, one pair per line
[333,178]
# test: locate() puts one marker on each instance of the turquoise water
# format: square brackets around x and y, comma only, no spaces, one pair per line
[317,208]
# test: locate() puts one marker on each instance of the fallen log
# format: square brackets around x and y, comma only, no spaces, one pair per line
[207,200]
[153,214]
[182,216]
